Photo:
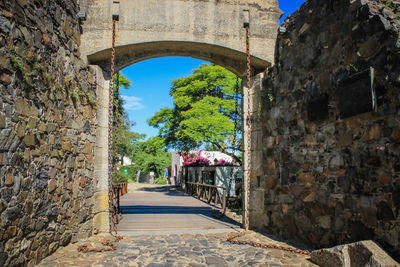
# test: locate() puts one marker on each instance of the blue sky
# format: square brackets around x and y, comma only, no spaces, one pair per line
[151,80]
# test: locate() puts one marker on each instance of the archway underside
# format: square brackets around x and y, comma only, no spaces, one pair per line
[232,60]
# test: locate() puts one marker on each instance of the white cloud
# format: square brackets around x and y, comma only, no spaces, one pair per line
[132,102]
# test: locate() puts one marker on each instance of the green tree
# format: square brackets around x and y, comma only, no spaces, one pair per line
[206,112]
[122,130]
[126,139]
[147,156]
[120,83]
[151,156]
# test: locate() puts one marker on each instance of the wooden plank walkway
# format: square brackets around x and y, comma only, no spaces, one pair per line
[164,209]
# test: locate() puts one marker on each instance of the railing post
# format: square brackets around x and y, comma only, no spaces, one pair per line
[224,199]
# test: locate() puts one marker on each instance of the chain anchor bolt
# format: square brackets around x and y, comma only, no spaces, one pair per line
[115,10]
[82,15]
[246,18]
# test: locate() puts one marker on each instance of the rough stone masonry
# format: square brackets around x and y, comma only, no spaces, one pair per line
[47,131]
[328,180]
[324,181]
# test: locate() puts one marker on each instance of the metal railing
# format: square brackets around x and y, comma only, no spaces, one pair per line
[211,194]
[118,191]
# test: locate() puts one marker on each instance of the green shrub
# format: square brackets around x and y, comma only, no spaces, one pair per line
[124,174]
[160,181]
[120,177]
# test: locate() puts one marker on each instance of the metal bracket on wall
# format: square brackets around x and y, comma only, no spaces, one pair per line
[246,18]
[115,10]
[82,15]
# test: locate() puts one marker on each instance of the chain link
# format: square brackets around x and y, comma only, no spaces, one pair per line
[231,238]
[236,98]
[116,122]
[248,133]
[111,205]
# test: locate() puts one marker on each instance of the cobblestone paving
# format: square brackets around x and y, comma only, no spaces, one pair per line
[174,250]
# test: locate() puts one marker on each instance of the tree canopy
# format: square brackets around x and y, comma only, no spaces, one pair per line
[151,156]
[206,112]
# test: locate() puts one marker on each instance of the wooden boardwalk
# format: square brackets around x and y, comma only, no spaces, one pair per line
[164,209]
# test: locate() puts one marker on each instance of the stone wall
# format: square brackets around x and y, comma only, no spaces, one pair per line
[332,180]
[47,131]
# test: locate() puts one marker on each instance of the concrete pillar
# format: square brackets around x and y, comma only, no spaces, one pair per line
[101,219]
[257,181]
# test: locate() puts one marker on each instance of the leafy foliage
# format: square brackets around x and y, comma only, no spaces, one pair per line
[125,174]
[206,112]
[160,181]
[120,82]
[150,156]
[147,156]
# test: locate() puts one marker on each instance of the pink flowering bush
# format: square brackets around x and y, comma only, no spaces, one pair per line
[196,160]
[222,162]
[191,159]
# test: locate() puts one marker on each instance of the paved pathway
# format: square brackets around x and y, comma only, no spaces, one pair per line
[167,210]
[163,227]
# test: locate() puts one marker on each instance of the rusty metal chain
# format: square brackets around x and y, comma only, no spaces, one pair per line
[116,216]
[248,123]
[111,206]
[116,121]
[236,98]
[109,246]
[231,239]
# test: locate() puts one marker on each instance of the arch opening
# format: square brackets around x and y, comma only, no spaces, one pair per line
[130,206]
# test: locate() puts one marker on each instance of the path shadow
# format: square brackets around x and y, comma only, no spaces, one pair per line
[169,190]
[203,211]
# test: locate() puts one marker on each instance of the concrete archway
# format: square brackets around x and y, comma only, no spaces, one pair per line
[209,30]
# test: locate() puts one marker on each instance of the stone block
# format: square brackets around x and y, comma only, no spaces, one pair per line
[373,133]
[32,122]
[285,198]
[21,127]
[66,146]
[100,202]
[310,197]
[85,230]
[2,120]
[101,223]
[325,222]
[271,182]
[256,219]
[306,177]
[256,200]
[88,149]
[363,253]
[65,238]
[396,134]
[5,78]
[9,178]
[52,184]
[30,139]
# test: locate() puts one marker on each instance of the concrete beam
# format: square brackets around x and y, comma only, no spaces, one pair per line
[210,30]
